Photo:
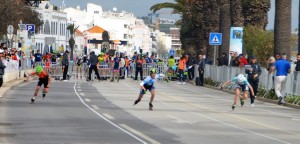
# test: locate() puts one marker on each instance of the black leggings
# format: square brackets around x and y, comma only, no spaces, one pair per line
[254,85]
[138,69]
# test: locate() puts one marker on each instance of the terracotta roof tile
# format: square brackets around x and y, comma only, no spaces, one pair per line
[96,29]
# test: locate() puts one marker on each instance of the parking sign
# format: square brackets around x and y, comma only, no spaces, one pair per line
[30,27]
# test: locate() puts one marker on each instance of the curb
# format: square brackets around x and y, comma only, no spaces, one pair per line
[257,98]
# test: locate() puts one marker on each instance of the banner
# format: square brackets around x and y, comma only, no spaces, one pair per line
[236,40]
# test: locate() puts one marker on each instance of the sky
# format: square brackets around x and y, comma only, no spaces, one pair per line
[141,8]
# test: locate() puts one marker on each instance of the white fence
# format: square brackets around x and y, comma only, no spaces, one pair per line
[221,74]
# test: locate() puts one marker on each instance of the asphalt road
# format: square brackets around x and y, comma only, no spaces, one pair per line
[102,112]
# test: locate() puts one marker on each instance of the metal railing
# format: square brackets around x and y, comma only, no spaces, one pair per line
[220,74]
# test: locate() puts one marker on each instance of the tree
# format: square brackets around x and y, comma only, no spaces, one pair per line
[72,29]
[178,7]
[105,36]
[282,31]
[224,26]
[13,11]
[105,43]
[236,13]
[258,42]
[298,30]
[211,22]
[256,13]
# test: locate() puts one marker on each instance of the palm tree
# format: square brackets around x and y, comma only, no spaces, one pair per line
[211,22]
[298,31]
[282,31]
[105,43]
[72,29]
[178,7]
[105,36]
[236,13]
[256,13]
[224,27]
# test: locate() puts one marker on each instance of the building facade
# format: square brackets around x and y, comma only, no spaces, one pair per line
[53,35]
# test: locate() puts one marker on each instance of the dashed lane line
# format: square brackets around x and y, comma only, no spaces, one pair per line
[104,118]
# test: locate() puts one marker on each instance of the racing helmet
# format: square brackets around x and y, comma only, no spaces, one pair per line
[241,78]
[153,71]
[39,69]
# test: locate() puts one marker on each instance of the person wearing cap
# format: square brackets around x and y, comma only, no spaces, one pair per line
[253,71]
[241,84]
[65,65]
[44,79]
[148,85]
[2,67]
[283,67]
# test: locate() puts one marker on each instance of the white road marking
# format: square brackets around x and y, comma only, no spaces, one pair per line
[82,94]
[79,90]
[218,121]
[108,116]
[104,118]
[87,100]
[95,107]
[139,134]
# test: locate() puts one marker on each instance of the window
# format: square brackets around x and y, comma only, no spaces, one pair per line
[125,26]
[125,36]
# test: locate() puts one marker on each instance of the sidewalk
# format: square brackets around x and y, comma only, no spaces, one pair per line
[8,85]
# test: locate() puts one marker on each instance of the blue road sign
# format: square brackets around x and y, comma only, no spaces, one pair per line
[215,39]
[30,27]
[172,52]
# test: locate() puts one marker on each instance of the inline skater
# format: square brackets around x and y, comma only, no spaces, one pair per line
[44,79]
[241,84]
[148,84]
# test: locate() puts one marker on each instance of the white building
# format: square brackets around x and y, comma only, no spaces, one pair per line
[53,34]
[120,26]
[142,39]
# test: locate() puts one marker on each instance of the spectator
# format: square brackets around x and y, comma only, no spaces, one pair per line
[181,69]
[223,61]
[277,56]
[234,62]
[190,66]
[242,61]
[127,62]
[171,61]
[298,63]
[254,71]
[65,64]
[139,67]
[283,67]
[92,63]
[270,63]
[201,70]
[37,58]
[207,60]
[122,67]
[2,67]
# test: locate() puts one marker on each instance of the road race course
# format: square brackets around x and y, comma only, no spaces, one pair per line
[103,112]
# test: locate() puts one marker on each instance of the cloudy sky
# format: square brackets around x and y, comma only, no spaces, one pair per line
[141,7]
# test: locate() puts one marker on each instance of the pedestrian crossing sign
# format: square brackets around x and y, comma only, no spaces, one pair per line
[215,38]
